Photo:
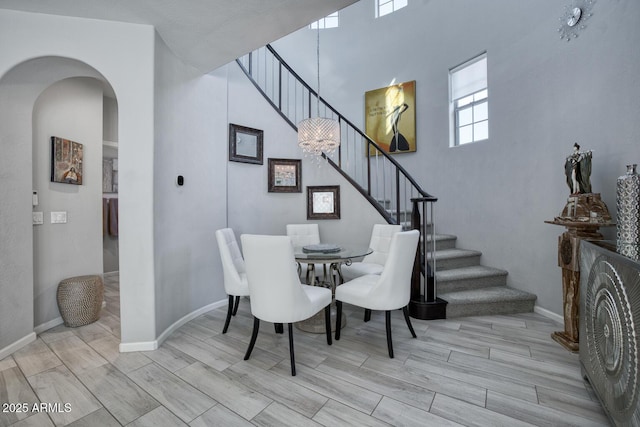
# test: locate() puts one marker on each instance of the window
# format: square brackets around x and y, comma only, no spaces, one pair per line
[385,7]
[469,99]
[329,21]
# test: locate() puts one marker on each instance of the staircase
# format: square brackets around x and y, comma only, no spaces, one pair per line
[469,288]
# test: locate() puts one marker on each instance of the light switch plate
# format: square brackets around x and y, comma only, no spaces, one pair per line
[59,217]
[38,218]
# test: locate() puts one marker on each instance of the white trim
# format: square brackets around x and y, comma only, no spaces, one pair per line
[48,325]
[549,314]
[11,348]
[153,345]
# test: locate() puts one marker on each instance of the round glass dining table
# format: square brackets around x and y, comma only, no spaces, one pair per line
[331,260]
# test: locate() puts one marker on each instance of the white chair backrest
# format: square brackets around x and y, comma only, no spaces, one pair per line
[274,286]
[394,286]
[380,242]
[232,262]
[303,234]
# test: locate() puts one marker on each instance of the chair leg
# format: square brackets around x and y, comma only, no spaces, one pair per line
[338,318]
[389,342]
[279,327]
[293,359]
[229,312]
[405,311]
[235,307]
[327,322]
[254,335]
[367,314]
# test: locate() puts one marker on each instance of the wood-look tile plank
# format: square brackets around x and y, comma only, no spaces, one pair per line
[37,420]
[198,331]
[110,322]
[169,358]
[337,414]
[278,415]
[378,383]
[541,416]
[56,333]
[7,363]
[332,387]
[14,389]
[528,364]
[124,399]
[473,376]
[471,415]
[159,417]
[403,415]
[200,350]
[101,418]
[237,349]
[220,416]
[569,404]
[59,385]
[283,390]
[77,355]
[508,371]
[428,380]
[109,348]
[232,394]
[36,357]
[172,392]
[91,332]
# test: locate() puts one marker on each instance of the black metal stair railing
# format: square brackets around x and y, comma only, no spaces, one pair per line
[373,172]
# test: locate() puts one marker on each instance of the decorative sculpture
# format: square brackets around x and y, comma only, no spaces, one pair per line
[577,169]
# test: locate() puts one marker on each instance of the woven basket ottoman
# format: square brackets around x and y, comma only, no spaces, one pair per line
[80,300]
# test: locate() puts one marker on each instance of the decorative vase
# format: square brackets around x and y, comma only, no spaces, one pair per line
[628,205]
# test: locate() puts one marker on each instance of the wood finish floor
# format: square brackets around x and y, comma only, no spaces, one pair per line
[476,371]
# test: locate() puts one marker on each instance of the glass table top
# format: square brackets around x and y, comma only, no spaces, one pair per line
[346,252]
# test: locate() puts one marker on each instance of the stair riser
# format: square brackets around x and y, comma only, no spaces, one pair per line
[470,284]
[451,263]
[489,309]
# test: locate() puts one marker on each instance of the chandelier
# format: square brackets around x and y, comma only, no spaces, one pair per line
[318,135]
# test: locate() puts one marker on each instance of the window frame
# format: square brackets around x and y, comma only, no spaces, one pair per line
[394,6]
[322,22]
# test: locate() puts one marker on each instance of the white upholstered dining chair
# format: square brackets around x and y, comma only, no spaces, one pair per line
[275,290]
[374,262]
[233,269]
[303,235]
[391,290]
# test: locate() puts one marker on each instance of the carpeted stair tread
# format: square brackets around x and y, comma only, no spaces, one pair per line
[468,278]
[447,259]
[473,272]
[488,301]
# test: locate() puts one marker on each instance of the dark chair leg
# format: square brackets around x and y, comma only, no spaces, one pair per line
[389,343]
[338,318]
[327,322]
[235,307]
[367,314]
[405,311]
[254,335]
[293,359]
[229,311]
[279,327]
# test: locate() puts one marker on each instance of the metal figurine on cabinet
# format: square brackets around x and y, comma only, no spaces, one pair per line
[583,215]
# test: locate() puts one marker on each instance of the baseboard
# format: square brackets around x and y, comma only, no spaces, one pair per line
[10,349]
[48,325]
[153,345]
[549,314]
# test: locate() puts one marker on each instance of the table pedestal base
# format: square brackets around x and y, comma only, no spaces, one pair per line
[315,324]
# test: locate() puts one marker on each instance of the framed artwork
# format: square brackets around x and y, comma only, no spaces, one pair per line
[390,117]
[66,161]
[285,176]
[245,144]
[323,202]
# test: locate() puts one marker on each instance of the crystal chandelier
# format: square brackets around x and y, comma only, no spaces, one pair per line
[318,135]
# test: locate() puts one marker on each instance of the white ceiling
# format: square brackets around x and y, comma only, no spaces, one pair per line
[203,33]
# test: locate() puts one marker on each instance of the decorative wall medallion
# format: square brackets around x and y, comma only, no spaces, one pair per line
[610,331]
[574,17]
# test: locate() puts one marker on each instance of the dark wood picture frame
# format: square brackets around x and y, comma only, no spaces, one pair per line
[323,202]
[285,176]
[245,144]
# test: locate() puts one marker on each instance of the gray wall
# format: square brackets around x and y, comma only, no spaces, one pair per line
[544,95]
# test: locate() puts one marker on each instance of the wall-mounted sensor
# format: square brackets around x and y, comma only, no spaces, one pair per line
[34,198]
[180,180]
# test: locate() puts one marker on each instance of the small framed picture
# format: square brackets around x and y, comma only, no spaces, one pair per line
[245,144]
[285,176]
[66,161]
[323,202]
